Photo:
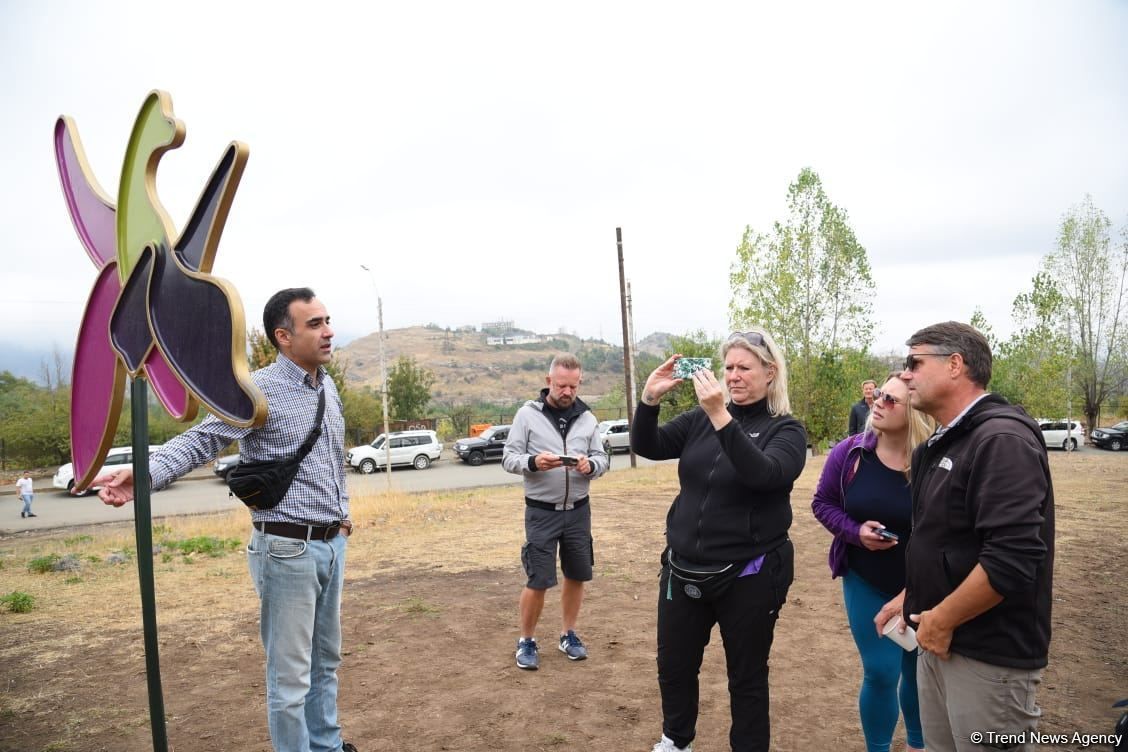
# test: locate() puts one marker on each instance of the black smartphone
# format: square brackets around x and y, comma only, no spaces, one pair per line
[887,534]
[566,460]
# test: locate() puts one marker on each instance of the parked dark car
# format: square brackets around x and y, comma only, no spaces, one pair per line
[224,465]
[486,446]
[1113,437]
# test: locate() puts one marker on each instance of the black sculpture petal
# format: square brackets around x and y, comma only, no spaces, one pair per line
[195,328]
[129,324]
[196,245]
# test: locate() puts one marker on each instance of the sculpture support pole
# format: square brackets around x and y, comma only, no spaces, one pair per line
[143,522]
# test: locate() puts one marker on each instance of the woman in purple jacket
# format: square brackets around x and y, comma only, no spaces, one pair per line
[863,497]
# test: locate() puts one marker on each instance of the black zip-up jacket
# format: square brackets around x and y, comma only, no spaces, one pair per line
[982,494]
[735,498]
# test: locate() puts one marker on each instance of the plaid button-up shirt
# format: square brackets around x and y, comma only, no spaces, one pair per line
[318,495]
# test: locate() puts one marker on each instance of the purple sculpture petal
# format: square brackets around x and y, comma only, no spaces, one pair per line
[98,381]
[171,393]
[91,210]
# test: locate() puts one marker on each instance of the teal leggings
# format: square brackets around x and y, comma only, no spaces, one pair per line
[885,665]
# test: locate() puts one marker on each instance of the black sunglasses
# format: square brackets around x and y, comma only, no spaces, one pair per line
[753,338]
[886,397]
[913,360]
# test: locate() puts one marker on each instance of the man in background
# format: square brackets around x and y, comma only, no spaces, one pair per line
[861,409]
[554,443]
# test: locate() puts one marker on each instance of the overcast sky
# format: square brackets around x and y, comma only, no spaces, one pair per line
[479,156]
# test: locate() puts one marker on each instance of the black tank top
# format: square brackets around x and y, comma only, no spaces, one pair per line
[882,494]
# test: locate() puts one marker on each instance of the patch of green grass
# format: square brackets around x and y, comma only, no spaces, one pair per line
[166,557]
[72,581]
[416,607]
[160,529]
[76,540]
[555,739]
[420,607]
[202,544]
[18,601]
[43,564]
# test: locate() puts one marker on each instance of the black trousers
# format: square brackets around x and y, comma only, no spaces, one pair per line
[747,612]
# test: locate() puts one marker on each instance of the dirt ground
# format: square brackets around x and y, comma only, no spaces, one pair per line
[429,628]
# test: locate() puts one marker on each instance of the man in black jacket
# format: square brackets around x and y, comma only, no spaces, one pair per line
[980,563]
[861,409]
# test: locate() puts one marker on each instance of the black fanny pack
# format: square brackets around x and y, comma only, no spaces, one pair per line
[699,579]
[261,485]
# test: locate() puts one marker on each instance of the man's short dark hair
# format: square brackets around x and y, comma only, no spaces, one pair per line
[957,337]
[276,314]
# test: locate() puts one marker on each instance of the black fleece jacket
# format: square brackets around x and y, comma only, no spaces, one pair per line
[982,494]
[735,498]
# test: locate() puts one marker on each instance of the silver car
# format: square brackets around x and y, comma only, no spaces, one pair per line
[615,436]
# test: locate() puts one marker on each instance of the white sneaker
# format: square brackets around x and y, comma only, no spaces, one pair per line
[666,744]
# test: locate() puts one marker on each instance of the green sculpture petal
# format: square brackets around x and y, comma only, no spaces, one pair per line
[141,220]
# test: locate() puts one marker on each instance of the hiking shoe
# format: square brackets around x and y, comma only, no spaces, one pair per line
[666,744]
[571,646]
[527,657]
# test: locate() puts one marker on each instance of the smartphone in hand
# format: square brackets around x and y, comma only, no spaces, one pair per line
[684,368]
[888,535]
[567,461]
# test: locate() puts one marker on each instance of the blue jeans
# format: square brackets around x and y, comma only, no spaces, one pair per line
[299,588]
[27,503]
[884,665]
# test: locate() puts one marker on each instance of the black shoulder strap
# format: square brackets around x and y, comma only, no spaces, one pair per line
[315,432]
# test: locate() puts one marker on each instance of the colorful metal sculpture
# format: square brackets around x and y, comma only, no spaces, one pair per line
[155,311]
[156,314]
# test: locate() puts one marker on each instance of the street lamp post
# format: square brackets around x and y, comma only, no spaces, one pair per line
[383,380]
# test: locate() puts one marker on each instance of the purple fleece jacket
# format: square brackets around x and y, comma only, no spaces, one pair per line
[829,504]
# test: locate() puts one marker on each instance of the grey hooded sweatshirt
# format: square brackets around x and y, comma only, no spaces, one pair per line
[535,431]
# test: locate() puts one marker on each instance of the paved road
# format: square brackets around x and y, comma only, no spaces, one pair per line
[202,492]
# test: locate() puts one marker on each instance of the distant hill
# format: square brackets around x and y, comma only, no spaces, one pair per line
[467,368]
[655,344]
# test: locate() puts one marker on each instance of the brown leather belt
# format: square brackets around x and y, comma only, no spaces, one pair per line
[305,532]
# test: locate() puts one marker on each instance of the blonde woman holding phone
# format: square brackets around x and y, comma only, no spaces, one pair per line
[863,499]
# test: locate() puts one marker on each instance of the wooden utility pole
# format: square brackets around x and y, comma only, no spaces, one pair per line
[383,379]
[384,395]
[628,391]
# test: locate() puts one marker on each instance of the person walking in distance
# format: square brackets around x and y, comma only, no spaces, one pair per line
[26,488]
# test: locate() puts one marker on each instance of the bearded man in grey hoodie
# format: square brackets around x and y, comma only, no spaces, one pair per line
[554,444]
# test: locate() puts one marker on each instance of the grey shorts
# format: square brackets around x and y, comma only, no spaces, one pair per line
[544,531]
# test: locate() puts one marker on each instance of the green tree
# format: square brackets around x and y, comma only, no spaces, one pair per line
[1090,274]
[363,410]
[409,388]
[695,344]
[809,284]
[1031,367]
[260,352]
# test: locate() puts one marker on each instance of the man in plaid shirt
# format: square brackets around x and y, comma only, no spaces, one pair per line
[297,550]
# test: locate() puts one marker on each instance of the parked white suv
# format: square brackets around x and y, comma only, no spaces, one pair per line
[615,436]
[116,459]
[415,448]
[1059,433]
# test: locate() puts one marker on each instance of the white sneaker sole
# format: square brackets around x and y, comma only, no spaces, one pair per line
[571,657]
